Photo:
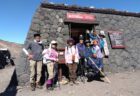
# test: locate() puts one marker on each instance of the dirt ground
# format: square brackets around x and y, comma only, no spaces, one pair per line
[5,77]
[122,84]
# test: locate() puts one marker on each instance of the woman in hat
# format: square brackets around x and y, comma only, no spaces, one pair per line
[101,41]
[71,59]
[50,59]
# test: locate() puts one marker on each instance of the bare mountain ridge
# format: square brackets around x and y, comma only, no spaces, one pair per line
[14,48]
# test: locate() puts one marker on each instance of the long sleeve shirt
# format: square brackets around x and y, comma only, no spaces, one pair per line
[96,50]
[50,54]
[92,37]
[88,52]
[69,53]
[81,50]
[101,43]
[36,49]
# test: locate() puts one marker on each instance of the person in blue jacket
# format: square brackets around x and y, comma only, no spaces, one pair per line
[91,69]
[88,51]
[81,49]
[89,54]
[101,41]
[93,36]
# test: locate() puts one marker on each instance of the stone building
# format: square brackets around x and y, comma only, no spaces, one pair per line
[60,22]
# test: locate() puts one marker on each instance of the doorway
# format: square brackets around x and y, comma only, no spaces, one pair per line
[77,29]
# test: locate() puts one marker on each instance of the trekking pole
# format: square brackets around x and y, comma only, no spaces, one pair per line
[100,71]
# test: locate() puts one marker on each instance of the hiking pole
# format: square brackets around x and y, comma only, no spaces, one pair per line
[100,71]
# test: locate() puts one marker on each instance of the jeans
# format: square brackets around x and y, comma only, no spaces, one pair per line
[100,63]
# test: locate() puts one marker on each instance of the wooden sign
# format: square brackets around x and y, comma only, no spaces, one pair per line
[80,16]
[116,39]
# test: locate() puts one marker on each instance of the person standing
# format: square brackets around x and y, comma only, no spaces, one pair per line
[50,58]
[81,50]
[72,59]
[92,36]
[101,42]
[35,57]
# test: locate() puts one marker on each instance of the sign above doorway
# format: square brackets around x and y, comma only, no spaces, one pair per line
[80,18]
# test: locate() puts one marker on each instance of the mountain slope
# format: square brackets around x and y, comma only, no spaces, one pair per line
[14,48]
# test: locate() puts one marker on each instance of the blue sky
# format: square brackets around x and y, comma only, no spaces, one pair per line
[16,15]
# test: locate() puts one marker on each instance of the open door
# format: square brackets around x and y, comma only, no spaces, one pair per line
[79,29]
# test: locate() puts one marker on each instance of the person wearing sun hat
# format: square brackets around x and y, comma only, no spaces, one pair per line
[71,59]
[101,41]
[50,58]
[81,49]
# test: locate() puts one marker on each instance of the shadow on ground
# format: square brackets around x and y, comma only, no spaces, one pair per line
[11,90]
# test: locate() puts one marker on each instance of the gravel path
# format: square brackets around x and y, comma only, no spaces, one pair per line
[123,84]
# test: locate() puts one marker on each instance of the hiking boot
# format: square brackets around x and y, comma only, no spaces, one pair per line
[50,88]
[75,82]
[63,82]
[32,86]
[83,79]
[39,86]
[71,83]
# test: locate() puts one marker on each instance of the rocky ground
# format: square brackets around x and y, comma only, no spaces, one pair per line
[122,84]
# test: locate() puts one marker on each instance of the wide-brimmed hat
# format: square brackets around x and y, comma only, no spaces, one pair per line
[70,40]
[102,33]
[53,42]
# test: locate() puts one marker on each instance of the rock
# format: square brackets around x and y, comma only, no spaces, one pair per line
[59,29]
[61,20]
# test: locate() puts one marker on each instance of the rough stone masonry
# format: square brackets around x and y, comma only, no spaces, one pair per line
[48,20]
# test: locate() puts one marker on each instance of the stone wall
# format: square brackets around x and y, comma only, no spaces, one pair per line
[50,24]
